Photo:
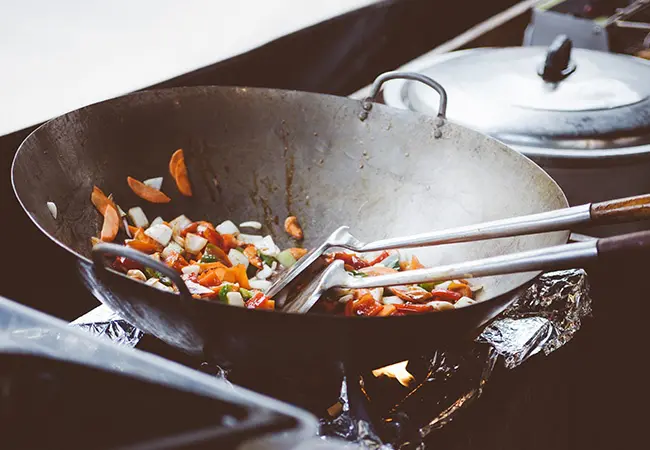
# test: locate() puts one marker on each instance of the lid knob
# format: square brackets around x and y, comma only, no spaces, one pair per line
[558,64]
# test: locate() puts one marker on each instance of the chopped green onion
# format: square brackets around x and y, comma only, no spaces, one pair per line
[268,260]
[152,273]
[245,293]
[166,281]
[356,273]
[223,293]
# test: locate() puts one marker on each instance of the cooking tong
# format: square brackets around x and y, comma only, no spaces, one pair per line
[551,258]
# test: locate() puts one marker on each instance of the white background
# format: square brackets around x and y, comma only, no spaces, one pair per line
[59,55]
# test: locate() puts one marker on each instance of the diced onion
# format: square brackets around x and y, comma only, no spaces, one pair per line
[440,306]
[236,257]
[444,285]
[235,299]
[251,224]
[267,246]
[136,275]
[346,298]
[249,238]
[260,285]
[392,300]
[160,233]
[154,282]
[464,301]
[52,207]
[377,293]
[155,183]
[194,243]
[227,227]
[120,211]
[138,218]
[172,247]
[264,273]
[196,288]
[191,269]
[179,223]
[156,221]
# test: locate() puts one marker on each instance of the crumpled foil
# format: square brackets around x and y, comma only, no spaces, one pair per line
[380,412]
[102,321]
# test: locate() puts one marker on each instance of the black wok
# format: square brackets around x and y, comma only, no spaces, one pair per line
[263,154]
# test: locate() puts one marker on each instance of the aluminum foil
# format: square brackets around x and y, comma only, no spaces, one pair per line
[391,416]
[380,412]
[102,321]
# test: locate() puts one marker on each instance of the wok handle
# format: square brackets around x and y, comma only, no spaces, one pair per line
[413,76]
[627,247]
[619,210]
[622,209]
[104,249]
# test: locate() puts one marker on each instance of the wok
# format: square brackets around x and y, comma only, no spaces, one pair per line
[264,154]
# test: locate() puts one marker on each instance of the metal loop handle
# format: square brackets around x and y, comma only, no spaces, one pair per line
[105,249]
[413,76]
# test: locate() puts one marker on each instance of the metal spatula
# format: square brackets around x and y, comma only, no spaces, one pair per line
[550,258]
[620,210]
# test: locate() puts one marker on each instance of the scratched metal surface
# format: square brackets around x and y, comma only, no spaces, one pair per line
[259,154]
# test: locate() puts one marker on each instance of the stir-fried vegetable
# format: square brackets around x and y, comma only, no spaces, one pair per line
[147,192]
[220,263]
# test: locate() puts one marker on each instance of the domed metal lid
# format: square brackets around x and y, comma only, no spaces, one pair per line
[557,97]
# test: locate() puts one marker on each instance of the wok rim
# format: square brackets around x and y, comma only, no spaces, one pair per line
[147,92]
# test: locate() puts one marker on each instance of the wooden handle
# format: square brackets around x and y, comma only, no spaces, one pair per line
[621,210]
[632,247]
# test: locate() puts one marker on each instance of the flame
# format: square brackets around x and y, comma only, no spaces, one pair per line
[397,371]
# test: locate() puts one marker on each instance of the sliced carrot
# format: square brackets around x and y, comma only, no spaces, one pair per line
[173,162]
[100,200]
[178,170]
[415,264]
[387,310]
[145,247]
[133,230]
[210,278]
[240,275]
[461,288]
[147,192]
[227,275]
[140,236]
[111,224]
[204,267]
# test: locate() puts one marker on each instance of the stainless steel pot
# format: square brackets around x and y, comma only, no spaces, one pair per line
[583,115]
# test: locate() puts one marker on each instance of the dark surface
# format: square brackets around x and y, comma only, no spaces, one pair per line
[592,394]
[73,404]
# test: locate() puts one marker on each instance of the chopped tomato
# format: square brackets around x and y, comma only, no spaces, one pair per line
[445,295]
[176,261]
[414,308]
[379,258]
[124,264]
[230,242]
[351,260]
[213,237]
[189,228]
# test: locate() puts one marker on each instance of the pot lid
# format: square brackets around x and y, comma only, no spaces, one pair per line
[555,97]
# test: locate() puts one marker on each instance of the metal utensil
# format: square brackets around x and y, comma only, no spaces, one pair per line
[551,258]
[619,210]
